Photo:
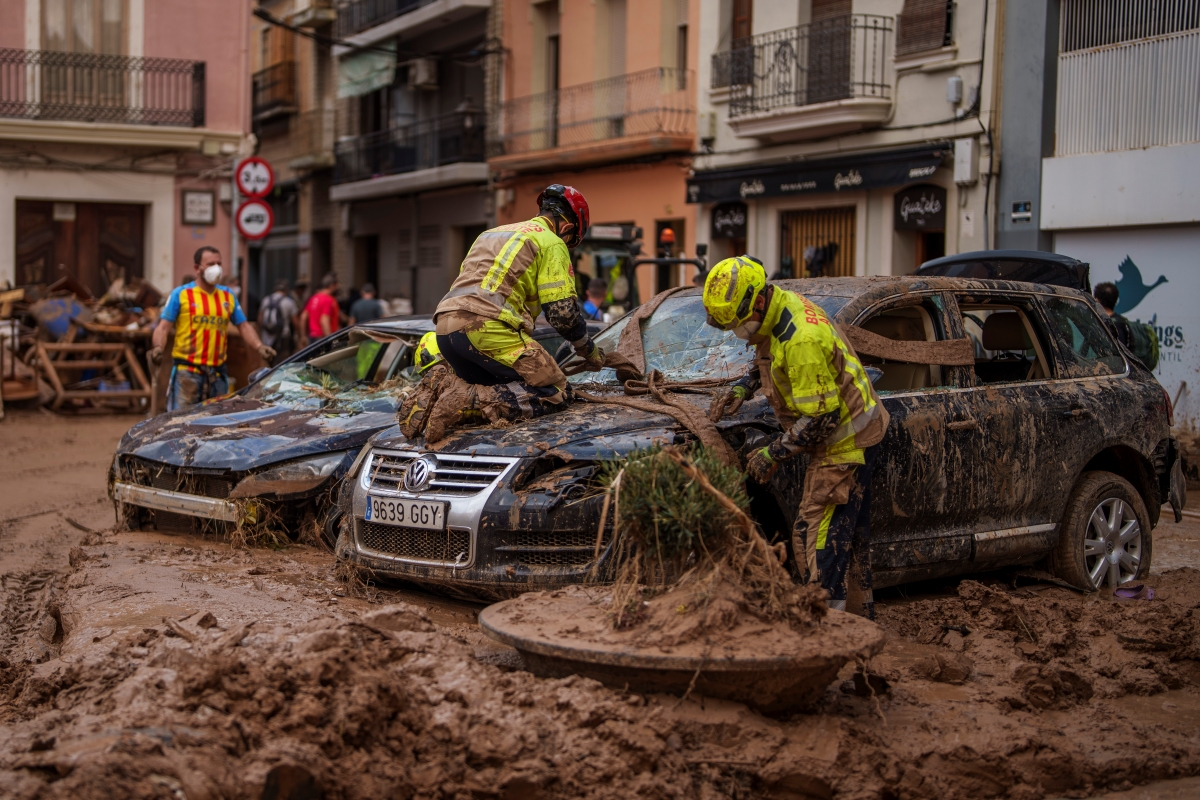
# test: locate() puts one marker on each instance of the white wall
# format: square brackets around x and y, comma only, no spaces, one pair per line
[1134,187]
[156,191]
[1171,307]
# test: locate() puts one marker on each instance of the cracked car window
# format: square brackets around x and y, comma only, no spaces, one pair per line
[679,343]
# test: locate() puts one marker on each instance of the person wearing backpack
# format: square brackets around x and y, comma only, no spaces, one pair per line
[275,317]
[1139,337]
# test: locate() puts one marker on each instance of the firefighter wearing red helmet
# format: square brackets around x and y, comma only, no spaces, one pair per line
[495,369]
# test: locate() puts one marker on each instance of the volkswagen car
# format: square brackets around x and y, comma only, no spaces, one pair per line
[1038,438]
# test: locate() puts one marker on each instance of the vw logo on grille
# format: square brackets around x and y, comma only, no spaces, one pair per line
[420,473]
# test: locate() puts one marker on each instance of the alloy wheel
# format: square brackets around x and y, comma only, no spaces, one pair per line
[1112,546]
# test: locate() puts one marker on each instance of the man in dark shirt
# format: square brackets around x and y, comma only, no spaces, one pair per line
[366,308]
[1107,295]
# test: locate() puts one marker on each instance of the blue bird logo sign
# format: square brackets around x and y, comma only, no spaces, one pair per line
[1131,287]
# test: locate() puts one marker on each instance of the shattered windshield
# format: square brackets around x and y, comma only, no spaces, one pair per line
[358,370]
[680,344]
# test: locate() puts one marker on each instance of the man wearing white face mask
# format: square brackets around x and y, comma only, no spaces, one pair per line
[827,408]
[200,313]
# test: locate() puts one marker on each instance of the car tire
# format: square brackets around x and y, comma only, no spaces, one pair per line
[1105,538]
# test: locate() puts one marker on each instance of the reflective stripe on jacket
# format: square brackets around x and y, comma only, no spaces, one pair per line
[507,274]
[812,371]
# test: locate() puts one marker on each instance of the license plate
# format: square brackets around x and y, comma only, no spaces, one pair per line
[409,513]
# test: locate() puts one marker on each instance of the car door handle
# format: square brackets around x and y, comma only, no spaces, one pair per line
[963,425]
[1078,413]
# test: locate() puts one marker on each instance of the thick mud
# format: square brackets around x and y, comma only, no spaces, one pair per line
[143,665]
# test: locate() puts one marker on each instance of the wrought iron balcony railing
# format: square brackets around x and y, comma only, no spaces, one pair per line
[449,139]
[357,16]
[86,87]
[274,90]
[312,139]
[648,102]
[833,59]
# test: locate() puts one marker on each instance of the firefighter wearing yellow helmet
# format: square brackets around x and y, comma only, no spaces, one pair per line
[427,354]
[826,406]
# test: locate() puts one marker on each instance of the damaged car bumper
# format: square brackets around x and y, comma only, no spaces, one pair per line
[174,502]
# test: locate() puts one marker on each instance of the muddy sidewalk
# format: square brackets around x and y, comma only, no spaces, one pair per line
[145,665]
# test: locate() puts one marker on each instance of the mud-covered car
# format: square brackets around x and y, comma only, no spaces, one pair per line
[274,452]
[1046,441]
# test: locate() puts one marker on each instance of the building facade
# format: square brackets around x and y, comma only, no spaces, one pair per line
[845,137]
[600,95]
[409,181]
[119,120]
[1106,164]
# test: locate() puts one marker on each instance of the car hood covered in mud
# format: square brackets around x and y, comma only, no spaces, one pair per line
[240,433]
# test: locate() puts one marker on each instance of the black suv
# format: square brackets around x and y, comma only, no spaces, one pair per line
[1051,443]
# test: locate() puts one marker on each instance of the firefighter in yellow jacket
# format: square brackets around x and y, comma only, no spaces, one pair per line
[826,406]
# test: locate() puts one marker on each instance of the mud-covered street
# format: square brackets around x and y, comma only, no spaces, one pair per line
[151,665]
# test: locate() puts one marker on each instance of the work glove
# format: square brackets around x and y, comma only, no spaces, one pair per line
[267,353]
[761,466]
[727,401]
[592,354]
[154,356]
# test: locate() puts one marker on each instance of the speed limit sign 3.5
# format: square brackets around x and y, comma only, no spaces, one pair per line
[255,177]
[254,219]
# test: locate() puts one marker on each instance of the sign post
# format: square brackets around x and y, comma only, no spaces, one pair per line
[254,219]
[254,177]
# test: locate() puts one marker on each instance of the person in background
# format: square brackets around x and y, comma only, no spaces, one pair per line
[596,291]
[366,308]
[200,313]
[276,321]
[1107,295]
[301,296]
[322,315]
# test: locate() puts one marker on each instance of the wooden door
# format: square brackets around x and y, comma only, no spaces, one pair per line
[102,242]
[35,243]
[820,241]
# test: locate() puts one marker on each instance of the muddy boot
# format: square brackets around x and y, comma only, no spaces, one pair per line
[414,411]
[456,405]
[510,402]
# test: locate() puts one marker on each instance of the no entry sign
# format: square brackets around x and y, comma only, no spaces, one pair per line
[254,219]
[255,177]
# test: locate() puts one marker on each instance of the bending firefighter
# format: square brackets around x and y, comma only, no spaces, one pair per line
[493,369]
[827,407]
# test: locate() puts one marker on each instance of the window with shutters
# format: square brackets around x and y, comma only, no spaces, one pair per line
[924,25]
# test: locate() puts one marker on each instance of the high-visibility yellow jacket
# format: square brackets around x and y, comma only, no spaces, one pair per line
[509,272]
[808,369]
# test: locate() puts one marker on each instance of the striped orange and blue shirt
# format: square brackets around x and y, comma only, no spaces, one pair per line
[202,323]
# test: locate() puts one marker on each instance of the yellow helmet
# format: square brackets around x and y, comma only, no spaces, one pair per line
[427,353]
[731,289]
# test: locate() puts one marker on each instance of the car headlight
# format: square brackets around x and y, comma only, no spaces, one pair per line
[290,478]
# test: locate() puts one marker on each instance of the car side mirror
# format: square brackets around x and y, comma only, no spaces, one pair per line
[257,375]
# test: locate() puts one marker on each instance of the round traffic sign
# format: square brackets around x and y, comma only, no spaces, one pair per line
[255,177]
[255,219]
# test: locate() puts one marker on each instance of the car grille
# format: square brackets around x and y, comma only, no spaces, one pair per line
[455,476]
[550,548]
[443,547]
[174,479]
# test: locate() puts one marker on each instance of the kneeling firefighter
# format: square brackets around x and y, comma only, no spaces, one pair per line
[494,369]
[827,407]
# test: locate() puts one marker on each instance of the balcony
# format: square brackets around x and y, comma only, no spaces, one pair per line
[365,22]
[815,80]
[312,141]
[434,153]
[274,91]
[41,85]
[632,115]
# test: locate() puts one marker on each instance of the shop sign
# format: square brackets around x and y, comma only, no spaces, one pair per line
[921,208]
[729,221]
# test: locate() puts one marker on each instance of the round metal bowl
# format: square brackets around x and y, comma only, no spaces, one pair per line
[773,684]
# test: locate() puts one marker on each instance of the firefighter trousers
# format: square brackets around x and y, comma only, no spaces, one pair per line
[831,538]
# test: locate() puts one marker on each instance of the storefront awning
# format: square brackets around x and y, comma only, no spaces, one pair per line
[367,70]
[799,178]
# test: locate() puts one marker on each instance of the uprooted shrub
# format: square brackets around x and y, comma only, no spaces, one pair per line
[683,528]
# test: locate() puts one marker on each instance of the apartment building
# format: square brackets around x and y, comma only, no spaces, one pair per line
[1102,158]
[292,109]
[410,176]
[600,94]
[119,120]
[845,137]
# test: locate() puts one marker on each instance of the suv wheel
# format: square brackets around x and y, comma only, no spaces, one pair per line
[1105,536]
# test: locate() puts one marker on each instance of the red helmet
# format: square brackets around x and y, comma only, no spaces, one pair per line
[568,201]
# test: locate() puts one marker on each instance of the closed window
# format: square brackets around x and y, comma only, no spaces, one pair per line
[924,25]
[1083,341]
[83,26]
